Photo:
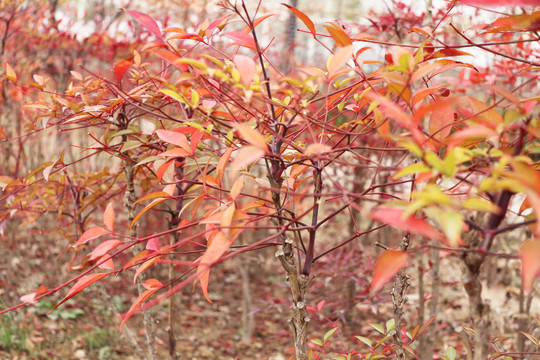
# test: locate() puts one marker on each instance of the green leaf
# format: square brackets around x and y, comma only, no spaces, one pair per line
[329,334]
[532,338]
[364,340]
[479,204]
[390,325]
[451,353]
[317,341]
[450,221]
[412,169]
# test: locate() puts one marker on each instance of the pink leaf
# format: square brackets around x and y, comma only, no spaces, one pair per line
[246,156]
[493,3]
[246,67]
[104,248]
[153,244]
[241,39]
[175,138]
[386,267]
[147,21]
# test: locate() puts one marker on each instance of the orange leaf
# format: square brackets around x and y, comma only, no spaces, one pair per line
[227,217]
[146,208]
[387,266]
[394,217]
[237,187]
[10,73]
[80,285]
[247,155]
[317,149]
[216,249]
[147,264]
[222,163]
[305,19]
[530,263]
[139,257]
[479,132]
[252,136]
[92,233]
[246,67]
[153,286]
[108,217]
[338,34]
[256,22]
[121,68]
[158,194]
[170,57]
[338,60]
[440,123]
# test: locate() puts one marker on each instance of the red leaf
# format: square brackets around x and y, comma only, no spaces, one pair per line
[306,20]
[153,286]
[104,248]
[163,169]
[220,22]
[147,21]
[108,217]
[256,22]
[386,267]
[121,68]
[394,217]
[80,285]
[530,263]
[93,233]
[170,57]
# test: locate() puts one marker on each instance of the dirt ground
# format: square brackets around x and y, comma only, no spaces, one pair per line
[87,326]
